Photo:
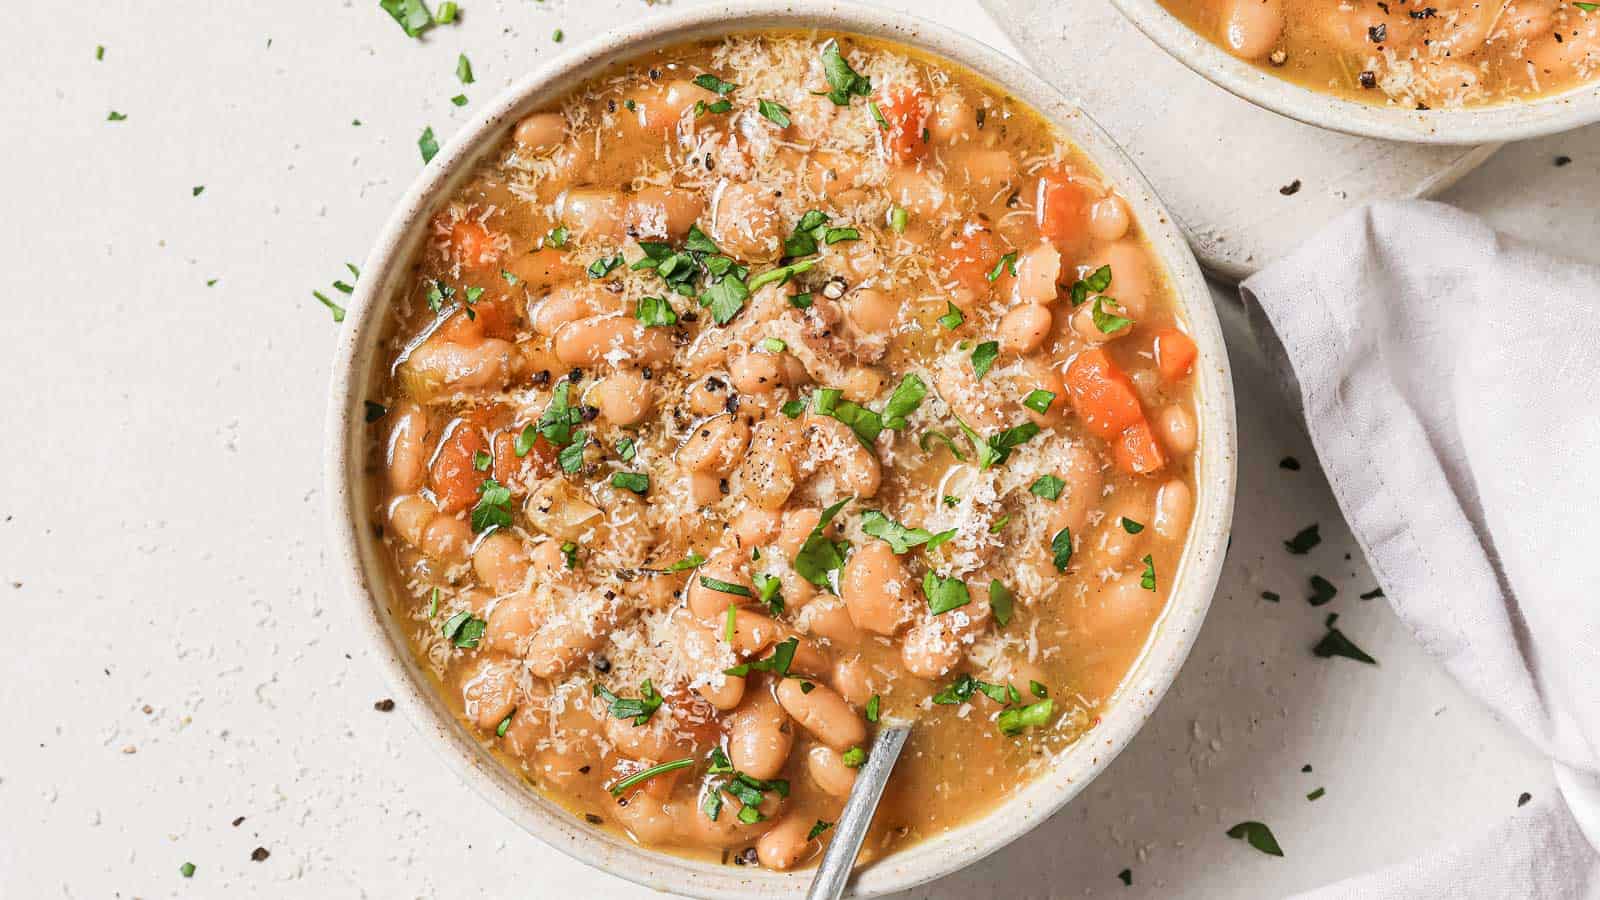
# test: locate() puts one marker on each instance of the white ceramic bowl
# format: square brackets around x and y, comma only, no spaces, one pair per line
[1570,109]
[357,552]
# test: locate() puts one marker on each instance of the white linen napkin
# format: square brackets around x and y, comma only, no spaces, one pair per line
[1450,381]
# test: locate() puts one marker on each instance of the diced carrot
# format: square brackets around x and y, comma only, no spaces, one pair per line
[1062,209]
[473,245]
[455,480]
[1102,395]
[1175,354]
[971,256]
[512,470]
[905,113]
[1137,451]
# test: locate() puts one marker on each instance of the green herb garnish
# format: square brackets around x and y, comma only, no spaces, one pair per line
[1047,486]
[1305,539]
[774,112]
[1148,579]
[952,318]
[843,81]
[983,358]
[726,587]
[494,506]
[1258,836]
[1335,643]
[464,629]
[819,557]
[714,84]
[1002,602]
[428,145]
[944,594]
[1108,323]
[1035,715]
[647,774]
[639,709]
[1061,549]
[1039,401]
[655,312]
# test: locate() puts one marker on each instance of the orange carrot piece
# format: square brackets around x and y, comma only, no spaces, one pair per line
[1137,451]
[1063,209]
[1102,395]
[473,245]
[905,118]
[1175,354]
[971,256]
[510,469]
[455,480]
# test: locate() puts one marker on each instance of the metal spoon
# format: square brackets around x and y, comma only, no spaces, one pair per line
[851,829]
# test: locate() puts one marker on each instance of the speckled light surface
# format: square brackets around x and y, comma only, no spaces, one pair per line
[175,636]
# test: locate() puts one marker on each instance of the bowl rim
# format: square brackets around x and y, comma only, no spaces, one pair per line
[347,434]
[1515,121]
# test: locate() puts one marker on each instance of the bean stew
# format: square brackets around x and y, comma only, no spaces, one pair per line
[766,389]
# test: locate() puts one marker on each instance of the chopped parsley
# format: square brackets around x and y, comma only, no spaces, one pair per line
[446,13]
[1126,875]
[99,52]
[820,557]
[494,506]
[1305,539]
[934,434]
[1047,486]
[571,456]
[1587,7]
[1316,795]
[854,758]
[557,237]
[952,318]
[1039,401]
[907,396]
[769,591]
[569,551]
[866,424]
[627,450]
[647,774]
[688,562]
[774,112]
[714,84]
[481,461]
[115,116]
[1037,689]
[1335,643]
[1322,590]
[1130,526]
[655,312]
[1148,579]
[873,706]
[638,482]
[186,870]
[197,190]
[808,232]
[411,15]
[772,345]
[504,726]
[334,308]
[639,709]
[997,449]
[1061,549]
[1035,715]
[1108,322]
[464,69]
[1007,263]
[793,408]
[818,829]
[983,358]
[897,219]
[962,689]
[778,663]
[843,81]
[1002,602]
[1097,281]
[1258,836]
[464,629]
[428,145]
[555,423]
[900,538]
[716,106]
[603,266]
[459,100]
[944,594]
[726,587]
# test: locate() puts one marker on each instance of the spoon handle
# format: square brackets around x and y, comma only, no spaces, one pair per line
[851,829]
